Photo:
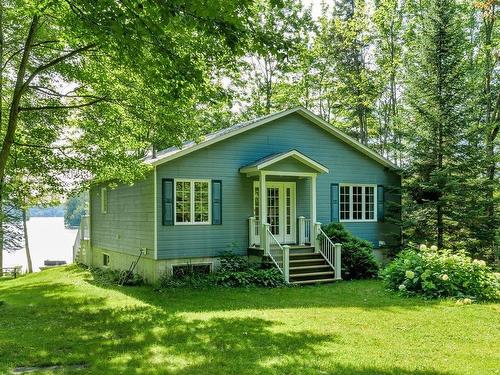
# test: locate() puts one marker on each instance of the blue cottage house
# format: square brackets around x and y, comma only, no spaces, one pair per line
[260,188]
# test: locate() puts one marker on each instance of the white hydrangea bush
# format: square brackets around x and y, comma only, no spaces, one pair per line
[434,273]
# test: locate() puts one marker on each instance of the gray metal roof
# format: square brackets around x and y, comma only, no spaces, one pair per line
[219,133]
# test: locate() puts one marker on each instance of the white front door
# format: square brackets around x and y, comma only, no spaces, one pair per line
[280,209]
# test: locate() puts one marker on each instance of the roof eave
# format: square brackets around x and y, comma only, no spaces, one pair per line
[303,112]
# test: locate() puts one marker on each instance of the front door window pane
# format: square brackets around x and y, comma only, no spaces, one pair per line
[273,209]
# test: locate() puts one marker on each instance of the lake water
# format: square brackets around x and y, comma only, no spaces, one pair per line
[48,239]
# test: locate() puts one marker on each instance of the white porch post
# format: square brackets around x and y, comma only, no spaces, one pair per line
[252,240]
[314,230]
[263,211]
[302,230]
[314,237]
[313,198]
[338,261]
[286,263]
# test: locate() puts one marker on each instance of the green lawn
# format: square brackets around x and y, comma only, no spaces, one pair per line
[63,317]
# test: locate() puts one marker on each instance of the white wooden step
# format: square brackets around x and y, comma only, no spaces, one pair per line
[328,280]
[310,267]
[311,274]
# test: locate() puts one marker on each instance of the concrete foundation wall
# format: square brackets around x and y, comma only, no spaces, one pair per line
[151,270]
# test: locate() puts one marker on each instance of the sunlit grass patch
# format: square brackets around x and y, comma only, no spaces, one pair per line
[61,317]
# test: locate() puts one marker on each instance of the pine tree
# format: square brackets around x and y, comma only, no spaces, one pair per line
[437,115]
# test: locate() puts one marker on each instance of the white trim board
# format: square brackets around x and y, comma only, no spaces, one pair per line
[174,154]
[290,154]
[155,207]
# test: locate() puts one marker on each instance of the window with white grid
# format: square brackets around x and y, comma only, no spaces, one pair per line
[192,202]
[357,203]
[345,203]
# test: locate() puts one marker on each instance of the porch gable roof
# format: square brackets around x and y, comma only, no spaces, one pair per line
[270,160]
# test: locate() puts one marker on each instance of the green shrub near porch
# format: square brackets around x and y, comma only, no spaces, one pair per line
[358,261]
[434,273]
[234,271]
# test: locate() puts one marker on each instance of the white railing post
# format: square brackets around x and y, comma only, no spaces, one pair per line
[302,230]
[314,237]
[286,263]
[264,239]
[251,231]
[338,261]
[77,245]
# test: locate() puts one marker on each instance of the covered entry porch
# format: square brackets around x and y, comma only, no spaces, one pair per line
[275,227]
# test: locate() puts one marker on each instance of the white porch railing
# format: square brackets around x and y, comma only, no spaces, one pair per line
[279,254]
[253,232]
[76,244]
[304,230]
[82,239]
[307,230]
[330,251]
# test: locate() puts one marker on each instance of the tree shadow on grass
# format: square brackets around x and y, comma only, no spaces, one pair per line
[59,329]
[55,324]
[363,294]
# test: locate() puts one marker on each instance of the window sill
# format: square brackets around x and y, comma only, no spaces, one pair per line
[358,221]
[191,224]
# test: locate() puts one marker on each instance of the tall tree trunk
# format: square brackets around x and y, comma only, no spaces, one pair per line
[492,109]
[16,99]
[26,242]
[1,234]
[492,162]
[1,129]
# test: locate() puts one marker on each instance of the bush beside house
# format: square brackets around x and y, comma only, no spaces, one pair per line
[434,273]
[358,261]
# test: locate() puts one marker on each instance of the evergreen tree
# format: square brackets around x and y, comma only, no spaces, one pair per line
[437,116]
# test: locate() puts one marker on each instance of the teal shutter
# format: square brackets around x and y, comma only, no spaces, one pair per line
[216,202]
[380,203]
[334,199]
[167,199]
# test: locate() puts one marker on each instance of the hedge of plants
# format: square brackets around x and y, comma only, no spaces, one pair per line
[433,273]
[233,271]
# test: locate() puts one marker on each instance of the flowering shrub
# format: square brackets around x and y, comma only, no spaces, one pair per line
[435,273]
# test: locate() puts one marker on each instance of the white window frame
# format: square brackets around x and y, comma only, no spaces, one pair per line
[104,200]
[192,213]
[363,206]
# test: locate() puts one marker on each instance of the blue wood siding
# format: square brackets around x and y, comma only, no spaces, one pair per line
[222,161]
[128,224]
